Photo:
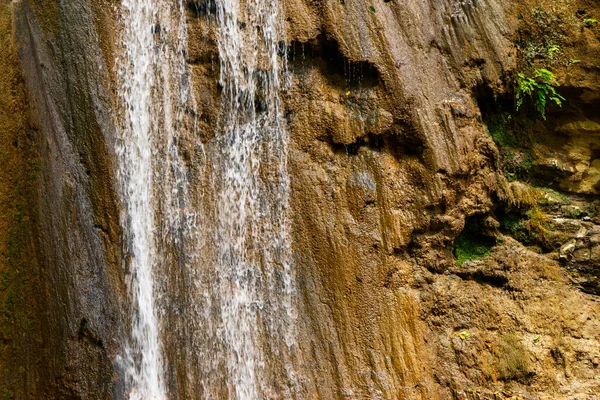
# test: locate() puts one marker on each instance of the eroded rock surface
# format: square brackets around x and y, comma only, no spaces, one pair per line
[404,139]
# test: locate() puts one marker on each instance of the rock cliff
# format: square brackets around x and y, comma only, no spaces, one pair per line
[446,245]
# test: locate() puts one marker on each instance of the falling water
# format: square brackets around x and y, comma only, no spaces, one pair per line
[135,149]
[238,291]
[256,282]
[155,90]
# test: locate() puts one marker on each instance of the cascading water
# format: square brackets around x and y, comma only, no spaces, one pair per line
[256,278]
[232,302]
[154,89]
[143,363]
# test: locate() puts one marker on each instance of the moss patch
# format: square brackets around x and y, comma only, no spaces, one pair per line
[511,358]
[473,243]
[469,247]
[514,225]
[499,127]
[543,35]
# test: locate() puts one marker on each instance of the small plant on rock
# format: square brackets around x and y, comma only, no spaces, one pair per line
[553,50]
[468,247]
[512,358]
[541,89]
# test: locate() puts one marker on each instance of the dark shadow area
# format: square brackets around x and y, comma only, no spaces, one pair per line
[372,142]
[496,280]
[489,103]
[475,241]
[325,54]
[201,8]
[398,145]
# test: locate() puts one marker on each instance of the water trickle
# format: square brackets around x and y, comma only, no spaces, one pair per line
[256,278]
[225,284]
[143,360]
[155,91]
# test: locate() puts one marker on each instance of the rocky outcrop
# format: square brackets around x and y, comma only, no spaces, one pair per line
[391,161]
[65,263]
[407,153]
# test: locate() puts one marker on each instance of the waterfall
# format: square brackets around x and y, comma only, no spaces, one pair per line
[155,91]
[228,244]
[144,369]
[256,282]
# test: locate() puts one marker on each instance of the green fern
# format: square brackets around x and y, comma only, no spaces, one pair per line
[541,88]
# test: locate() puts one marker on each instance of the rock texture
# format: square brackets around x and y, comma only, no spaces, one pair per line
[404,138]
[391,162]
[66,249]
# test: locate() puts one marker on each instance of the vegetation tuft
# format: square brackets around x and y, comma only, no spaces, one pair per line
[543,35]
[512,359]
[541,89]
[470,246]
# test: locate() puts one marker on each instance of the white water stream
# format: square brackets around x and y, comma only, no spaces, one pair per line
[154,90]
[248,279]
[254,257]
[144,362]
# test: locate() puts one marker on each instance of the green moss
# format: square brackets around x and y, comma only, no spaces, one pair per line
[515,226]
[552,197]
[591,210]
[516,164]
[542,36]
[512,137]
[498,126]
[469,246]
[573,212]
[7,394]
[527,227]
[512,358]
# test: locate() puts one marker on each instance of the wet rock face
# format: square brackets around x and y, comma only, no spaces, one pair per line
[389,109]
[68,309]
[390,160]
[565,40]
